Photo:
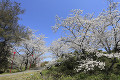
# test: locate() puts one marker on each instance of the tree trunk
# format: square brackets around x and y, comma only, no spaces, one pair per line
[20,67]
[110,68]
[26,64]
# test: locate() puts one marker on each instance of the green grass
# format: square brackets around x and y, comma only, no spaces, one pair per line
[12,71]
[22,76]
[47,75]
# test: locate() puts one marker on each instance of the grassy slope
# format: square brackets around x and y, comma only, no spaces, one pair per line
[22,76]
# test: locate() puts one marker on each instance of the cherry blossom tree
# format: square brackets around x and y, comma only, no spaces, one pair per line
[32,48]
[89,34]
[77,29]
[107,28]
[59,48]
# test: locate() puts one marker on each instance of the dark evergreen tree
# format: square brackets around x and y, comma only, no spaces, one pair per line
[10,31]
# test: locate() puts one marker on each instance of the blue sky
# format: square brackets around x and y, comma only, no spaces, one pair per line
[40,14]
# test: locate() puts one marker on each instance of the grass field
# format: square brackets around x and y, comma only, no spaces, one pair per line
[21,76]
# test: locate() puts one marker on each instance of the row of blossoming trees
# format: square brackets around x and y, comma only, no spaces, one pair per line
[84,34]
[88,34]
[30,51]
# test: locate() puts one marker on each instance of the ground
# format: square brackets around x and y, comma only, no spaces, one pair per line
[19,75]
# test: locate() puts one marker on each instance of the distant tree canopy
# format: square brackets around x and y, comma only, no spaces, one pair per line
[10,31]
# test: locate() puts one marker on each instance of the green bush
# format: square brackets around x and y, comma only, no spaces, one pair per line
[66,78]
[65,71]
[80,76]
[66,67]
